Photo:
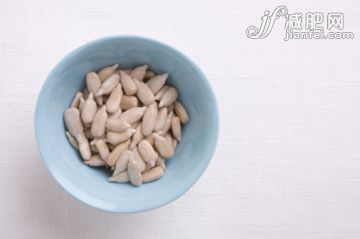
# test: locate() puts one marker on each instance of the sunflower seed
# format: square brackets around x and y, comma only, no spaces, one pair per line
[139,72]
[149,119]
[73,124]
[134,172]
[160,93]
[117,138]
[117,125]
[102,148]
[144,93]
[176,128]
[163,146]
[122,163]
[106,72]
[76,101]
[128,102]
[147,152]
[136,137]
[120,178]
[88,109]
[108,85]
[113,102]
[167,124]
[84,147]
[161,119]
[169,97]
[132,115]
[157,82]
[98,125]
[127,83]
[138,158]
[115,154]
[181,112]
[152,174]
[93,84]
[95,161]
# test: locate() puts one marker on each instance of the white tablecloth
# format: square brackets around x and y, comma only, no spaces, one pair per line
[288,160]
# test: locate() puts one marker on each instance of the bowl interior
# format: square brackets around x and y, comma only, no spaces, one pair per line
[90,185]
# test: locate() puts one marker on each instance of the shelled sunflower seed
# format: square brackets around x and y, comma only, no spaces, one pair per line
[128,120]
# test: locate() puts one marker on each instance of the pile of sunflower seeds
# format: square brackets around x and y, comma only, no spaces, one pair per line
[127,120]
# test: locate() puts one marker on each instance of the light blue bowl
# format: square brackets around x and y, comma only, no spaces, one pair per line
[90,185]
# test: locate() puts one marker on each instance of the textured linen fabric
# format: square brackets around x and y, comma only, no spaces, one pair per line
[288,160]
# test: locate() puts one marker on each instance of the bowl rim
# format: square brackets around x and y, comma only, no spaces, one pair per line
[74,192]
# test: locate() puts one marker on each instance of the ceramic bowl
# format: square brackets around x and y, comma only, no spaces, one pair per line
[90,185]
